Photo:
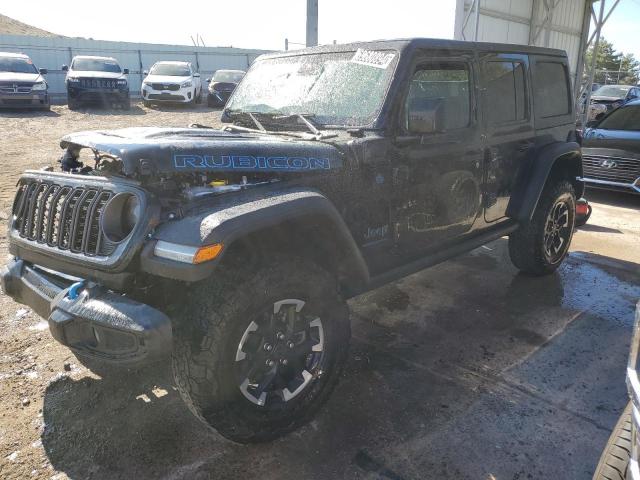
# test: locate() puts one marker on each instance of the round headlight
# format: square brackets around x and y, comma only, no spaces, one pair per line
[120,216]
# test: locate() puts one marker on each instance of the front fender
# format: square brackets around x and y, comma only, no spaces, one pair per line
[230,218]
[532,180]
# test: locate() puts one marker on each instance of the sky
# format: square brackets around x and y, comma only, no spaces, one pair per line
[265,24]
[241,23]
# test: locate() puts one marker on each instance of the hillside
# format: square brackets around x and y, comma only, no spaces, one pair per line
[9,26]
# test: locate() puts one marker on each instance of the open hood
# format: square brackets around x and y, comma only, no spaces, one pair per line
[201,149]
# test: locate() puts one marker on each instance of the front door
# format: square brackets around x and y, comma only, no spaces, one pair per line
[438,175]
[508,123]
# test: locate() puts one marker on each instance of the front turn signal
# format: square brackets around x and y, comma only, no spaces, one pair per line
[204,254]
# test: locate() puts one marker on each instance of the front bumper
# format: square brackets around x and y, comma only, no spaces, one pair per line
[182,95]
[90,319]
[81,94]
[611,185]
[38,99]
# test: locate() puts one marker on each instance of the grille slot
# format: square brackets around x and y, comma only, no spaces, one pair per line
[98,83]
[623,170]
[62,216]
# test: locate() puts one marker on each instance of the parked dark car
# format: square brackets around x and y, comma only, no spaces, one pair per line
[619,459]
[613,96]
[21,83]
[611,150]
[222,85]
[96,80]
[341,168]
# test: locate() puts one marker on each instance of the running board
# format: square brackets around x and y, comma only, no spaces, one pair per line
[438,257]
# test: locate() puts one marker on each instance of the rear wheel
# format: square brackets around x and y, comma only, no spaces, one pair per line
[257,354]
[540,246]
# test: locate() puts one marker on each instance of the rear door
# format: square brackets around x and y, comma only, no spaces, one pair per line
[508,125]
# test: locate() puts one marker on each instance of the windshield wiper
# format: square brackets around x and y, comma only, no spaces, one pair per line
[251,115]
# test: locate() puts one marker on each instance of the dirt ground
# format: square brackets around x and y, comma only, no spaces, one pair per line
[466,370]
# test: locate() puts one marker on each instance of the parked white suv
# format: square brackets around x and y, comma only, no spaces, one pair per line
[171,82]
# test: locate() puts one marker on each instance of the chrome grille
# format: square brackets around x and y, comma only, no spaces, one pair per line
[165,86]
[613,169]
[15,87]
[63,217]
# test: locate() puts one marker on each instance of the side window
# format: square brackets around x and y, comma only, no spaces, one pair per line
[506,92]
[447,82]
[552,90]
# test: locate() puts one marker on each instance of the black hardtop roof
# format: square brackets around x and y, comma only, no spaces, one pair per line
[426,43]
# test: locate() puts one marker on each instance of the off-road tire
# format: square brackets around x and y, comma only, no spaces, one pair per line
[526,245]
[614,462]
[210,324]
[146,103]
[72,104]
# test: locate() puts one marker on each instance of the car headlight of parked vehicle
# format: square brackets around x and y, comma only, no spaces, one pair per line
[39,86]
[186,84]
[73,79]
[122,82]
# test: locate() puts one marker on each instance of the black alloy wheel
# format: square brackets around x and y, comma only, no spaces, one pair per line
[280,353]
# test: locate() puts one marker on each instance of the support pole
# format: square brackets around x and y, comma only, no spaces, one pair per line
[596,44]
[312,23]
[477,22]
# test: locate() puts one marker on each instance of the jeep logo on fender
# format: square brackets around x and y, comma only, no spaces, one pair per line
[248,162]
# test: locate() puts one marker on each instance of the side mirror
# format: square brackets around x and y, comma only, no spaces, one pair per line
[425,115]
[145,72]
[196,75]
[43,71]
[125,71]
[208,80]
[65,68]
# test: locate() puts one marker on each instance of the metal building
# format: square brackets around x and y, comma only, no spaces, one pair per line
[562,24]
[53,52]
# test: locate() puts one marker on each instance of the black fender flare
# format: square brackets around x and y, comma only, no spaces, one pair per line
[532,179]
[227,219]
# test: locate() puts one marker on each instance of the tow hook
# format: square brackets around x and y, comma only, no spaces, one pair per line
[74,290]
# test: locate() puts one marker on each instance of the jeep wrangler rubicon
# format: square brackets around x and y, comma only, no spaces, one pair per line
[340,168]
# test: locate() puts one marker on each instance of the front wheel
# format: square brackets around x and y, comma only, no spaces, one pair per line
[257,354]
[540,246]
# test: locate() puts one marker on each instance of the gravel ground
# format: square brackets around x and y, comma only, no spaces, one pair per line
[466,370]
[29,358]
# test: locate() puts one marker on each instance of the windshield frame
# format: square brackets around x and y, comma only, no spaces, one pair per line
[176,65]
[618,111]
[104,61]
[239,73]
[26,61]
[618,87]
[377,115]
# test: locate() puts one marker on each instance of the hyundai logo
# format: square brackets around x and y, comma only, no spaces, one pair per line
[608,164]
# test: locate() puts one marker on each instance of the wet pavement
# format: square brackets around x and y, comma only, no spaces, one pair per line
[465,370]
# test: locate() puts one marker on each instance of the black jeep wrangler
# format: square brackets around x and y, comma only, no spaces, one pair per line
[340,168]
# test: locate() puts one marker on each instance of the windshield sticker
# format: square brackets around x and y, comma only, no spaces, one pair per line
[373,58]
[249,162]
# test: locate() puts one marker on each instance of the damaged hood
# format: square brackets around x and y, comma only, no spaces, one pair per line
[165,150]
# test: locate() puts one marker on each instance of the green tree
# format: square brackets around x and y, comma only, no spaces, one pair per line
[609,63]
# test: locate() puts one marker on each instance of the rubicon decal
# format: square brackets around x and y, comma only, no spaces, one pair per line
[249,162]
